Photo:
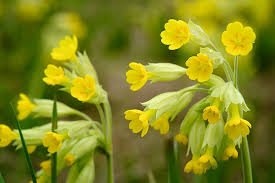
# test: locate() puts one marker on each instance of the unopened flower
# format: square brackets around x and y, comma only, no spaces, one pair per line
[24,106]
[54,75]
[137,76]
[230,151]
[46,166]
[66,50]
[176,34]
[139,120]
[200,67]
[53,141]
[181,138]
[6,135]
[83,88]
[238,39]
[162,124]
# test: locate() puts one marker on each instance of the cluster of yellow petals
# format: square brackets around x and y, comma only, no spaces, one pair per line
[212,114]
[181,138]
[230,151]
[66,50]
[176,34]
[46,166]
[139,120]
[200,67]
[238,39]
[137,76]
[83,88]
[24,106]
[6,135]
[194,166]
[53,141]
[162,124]
[54,75]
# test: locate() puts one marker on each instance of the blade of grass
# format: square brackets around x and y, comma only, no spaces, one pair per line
[24,147]
[1,179]
[54,155]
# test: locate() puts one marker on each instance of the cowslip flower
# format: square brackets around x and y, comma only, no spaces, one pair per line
[54,75]
[24,106]
[181,138]
[53,141]
[207,160]
[238,39]
[211,113]
[31,148]
[194,166]
[66,50]
[200,67]
[139,120]
[230,151]
[46,166]
[236,126]
[83,88]
[176,34]
[6,135]
[162,124]
[69,159]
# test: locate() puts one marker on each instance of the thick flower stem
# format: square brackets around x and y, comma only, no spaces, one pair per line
[236,72]
[246,163]
[172,158]
[54,155]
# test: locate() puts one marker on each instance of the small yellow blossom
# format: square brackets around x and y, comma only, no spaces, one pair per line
[139,120]
[207,160]
[161,124]
[24,106]
[200,67]
[238,39]
[181,138]
[46,166]
[53,141]
[137,76]
[194,166]
[6,135]
[66,50]
[31,148]
[54,75]
[69,159]
[230,151]
[176,34]
[83,88]
[236,126]
[212,114]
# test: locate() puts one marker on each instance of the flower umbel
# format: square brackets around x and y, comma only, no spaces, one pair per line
[53,141]
[6,135]
[200,67]
[238,39]
[24,106]
[66,49]
[137,76]
[176,34]
[83,88]
[54,75]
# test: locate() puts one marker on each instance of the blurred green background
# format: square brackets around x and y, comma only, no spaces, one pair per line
[114,33]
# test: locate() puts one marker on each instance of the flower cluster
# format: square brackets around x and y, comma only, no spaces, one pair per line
[213,127]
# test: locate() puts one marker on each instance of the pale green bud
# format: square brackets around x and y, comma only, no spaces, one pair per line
[228,94]
[196,135]
[198,35]
[213,135]
[214,56]
[164,71]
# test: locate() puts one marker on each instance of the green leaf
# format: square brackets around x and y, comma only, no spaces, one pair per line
[1,179]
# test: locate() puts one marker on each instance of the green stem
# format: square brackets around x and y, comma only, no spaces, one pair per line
[172,158]
[246,162]
[236,72]
[54,155]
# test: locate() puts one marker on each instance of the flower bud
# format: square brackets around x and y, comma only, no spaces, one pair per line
[197,34]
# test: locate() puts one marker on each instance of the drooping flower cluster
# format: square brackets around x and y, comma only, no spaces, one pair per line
[213,126]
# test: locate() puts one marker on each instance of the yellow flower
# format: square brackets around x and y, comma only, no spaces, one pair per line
[238,39]
[66,50]
[53,141]
[138,120]
[54,75]
[162,124]
[236,126]
[46,166]
[176,34]
[83,88]
[211,113]
[181,138]
[6,135]
[207,160]
[194,166]
[24,106]
[31,148]
[200,67]
[137,76]
[69,159]
[230,151]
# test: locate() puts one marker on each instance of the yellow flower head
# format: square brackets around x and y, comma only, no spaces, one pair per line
[69,159]
[230,151]
[66,50]
[24,106]
[211,113]
[137,76]
[176,34]
[54,75]
[181,138]
[238,39]
[207,160]
[53,141]
[138,120]
[83,88]
[6,135]
[161,124]
[236,126]
[46,166]
[200,67]
[194,166]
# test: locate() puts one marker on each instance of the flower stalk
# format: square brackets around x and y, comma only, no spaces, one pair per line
[54,155]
